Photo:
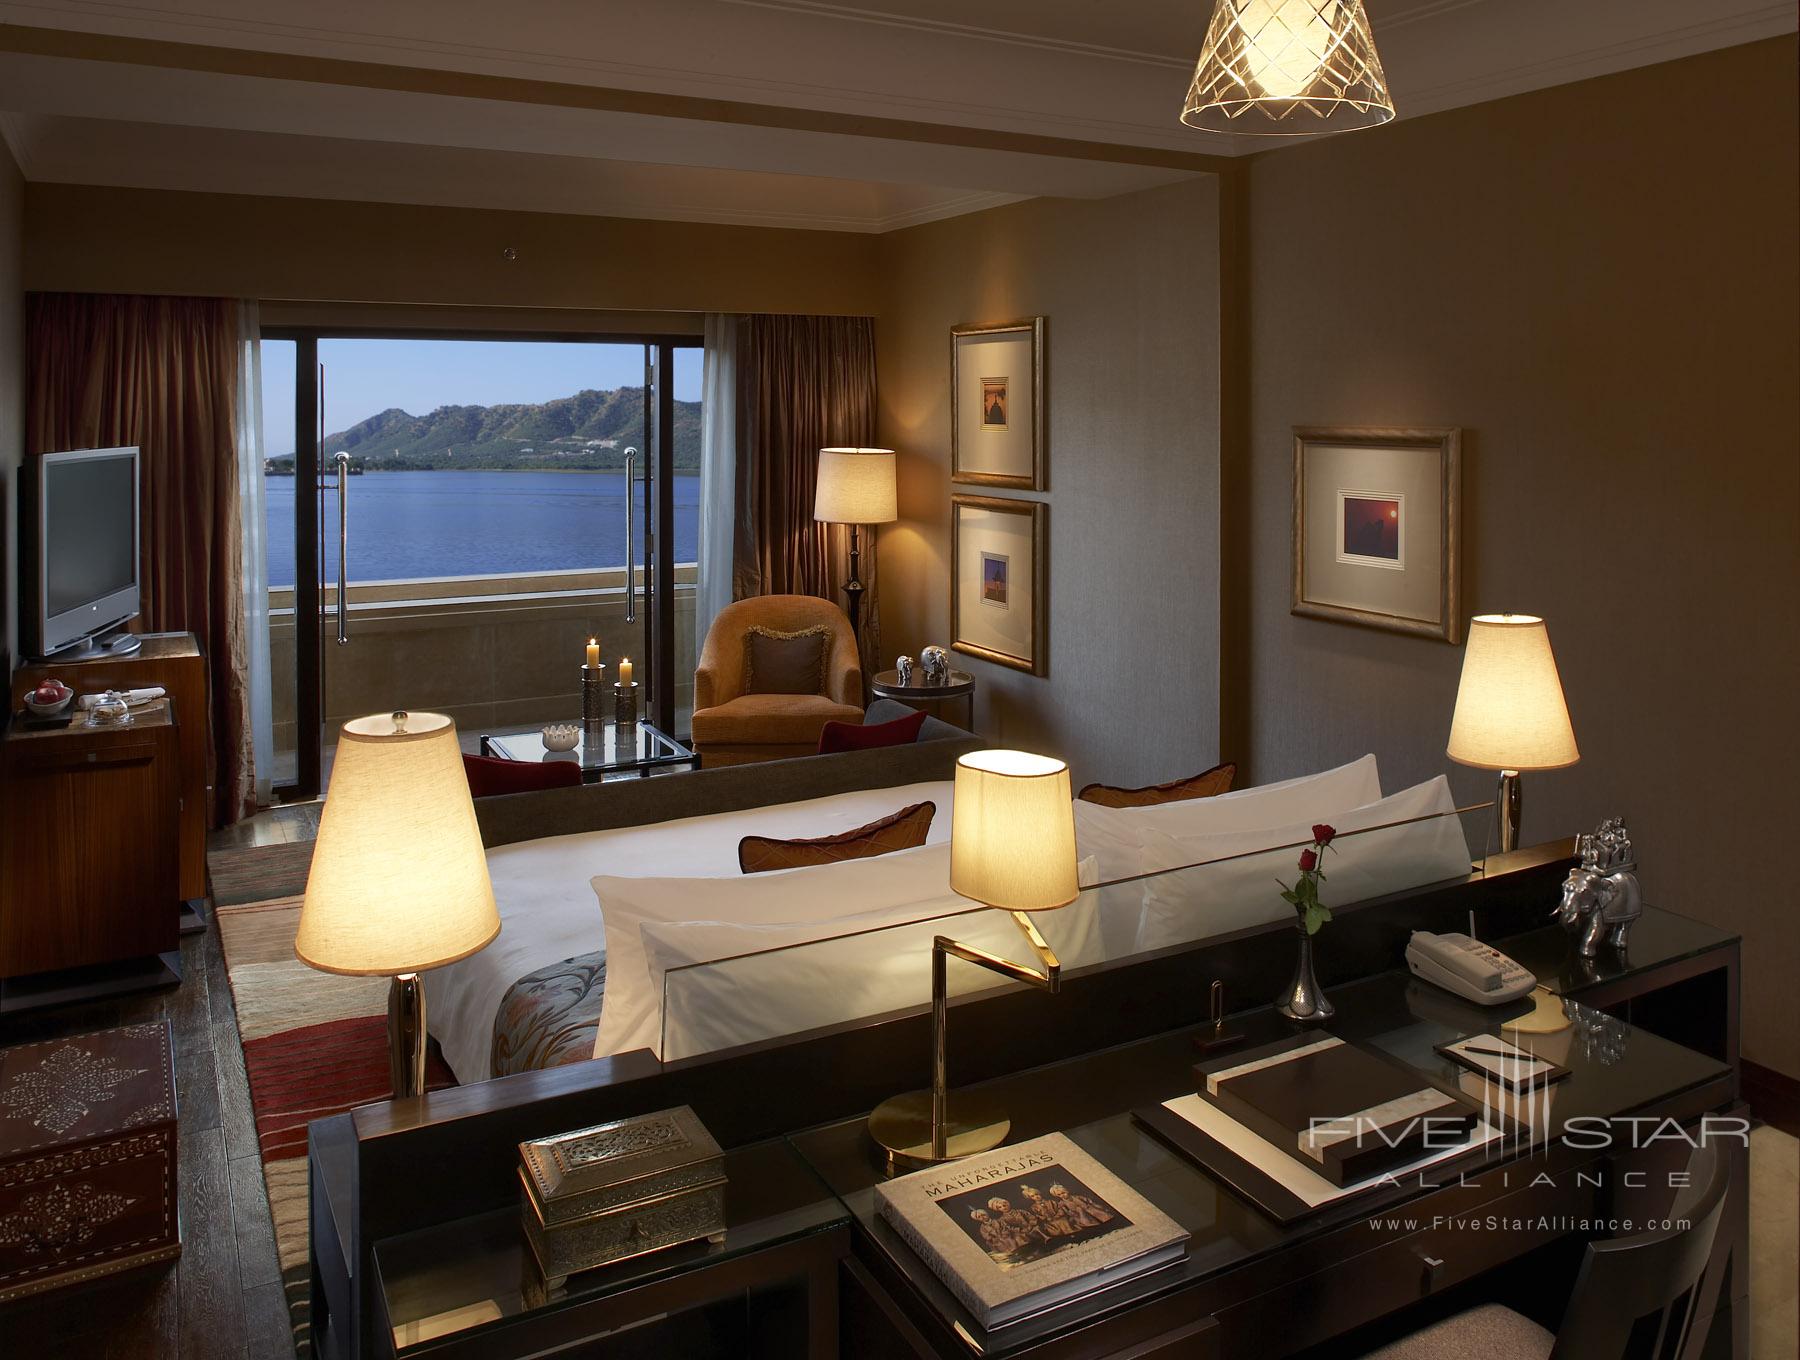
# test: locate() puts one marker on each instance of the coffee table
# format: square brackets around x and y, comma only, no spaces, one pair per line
[608,753]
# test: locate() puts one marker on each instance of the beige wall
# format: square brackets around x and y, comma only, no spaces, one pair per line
[82,239]
[1130,287]
[1598,283]
[12,395]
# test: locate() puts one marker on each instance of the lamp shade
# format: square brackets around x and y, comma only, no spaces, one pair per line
[1510,712]
[1012,831]
[399,879]
[1278,68]
[856,486]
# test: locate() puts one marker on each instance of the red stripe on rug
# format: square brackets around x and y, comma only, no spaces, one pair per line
[317,1071]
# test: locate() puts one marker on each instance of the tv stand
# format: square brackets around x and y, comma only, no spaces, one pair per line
[92,649]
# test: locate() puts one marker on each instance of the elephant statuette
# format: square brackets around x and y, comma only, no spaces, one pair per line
[1601,897]
[903,671]
[936,664]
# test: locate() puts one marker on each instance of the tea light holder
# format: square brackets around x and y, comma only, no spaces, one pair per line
[593,698]
[625,705]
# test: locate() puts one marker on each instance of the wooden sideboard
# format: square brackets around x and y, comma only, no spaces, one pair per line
[177,662]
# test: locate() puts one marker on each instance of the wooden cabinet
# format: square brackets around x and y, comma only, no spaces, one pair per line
[89,858]
[177,662]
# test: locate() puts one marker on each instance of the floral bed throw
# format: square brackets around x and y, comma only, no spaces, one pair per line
[549,1017]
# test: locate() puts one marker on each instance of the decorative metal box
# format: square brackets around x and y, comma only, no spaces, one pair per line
[619,1190]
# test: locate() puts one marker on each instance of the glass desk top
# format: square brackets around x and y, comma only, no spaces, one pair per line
[472,1273]
[1658,938]
[612,750]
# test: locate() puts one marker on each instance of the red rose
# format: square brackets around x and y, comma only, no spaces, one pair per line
[1323,834]
[1309,860]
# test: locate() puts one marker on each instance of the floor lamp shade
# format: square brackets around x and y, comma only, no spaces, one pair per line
[399,879]
[856,486]
[1510,711]
[1012,832]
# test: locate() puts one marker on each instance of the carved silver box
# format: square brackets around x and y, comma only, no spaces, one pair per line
[621,1189]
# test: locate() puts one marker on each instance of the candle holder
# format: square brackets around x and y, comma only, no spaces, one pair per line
[625,705]
[593,699]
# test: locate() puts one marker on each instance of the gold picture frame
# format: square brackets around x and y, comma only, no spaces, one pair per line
[997,435]
[999,611]
[1378,527]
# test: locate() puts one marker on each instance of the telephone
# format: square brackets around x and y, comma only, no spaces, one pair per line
[1467,967]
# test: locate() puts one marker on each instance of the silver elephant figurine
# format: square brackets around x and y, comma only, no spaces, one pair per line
[1601,897]
[936,664]
[903,671]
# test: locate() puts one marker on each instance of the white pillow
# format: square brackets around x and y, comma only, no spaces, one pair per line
[1220,894]
[1115,835]
[789,977]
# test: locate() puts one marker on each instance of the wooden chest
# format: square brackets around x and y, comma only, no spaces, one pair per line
[87,1157]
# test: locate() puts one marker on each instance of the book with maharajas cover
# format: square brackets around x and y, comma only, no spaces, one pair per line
[1025,1228]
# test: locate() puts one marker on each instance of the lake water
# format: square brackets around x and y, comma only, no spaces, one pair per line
[413,524]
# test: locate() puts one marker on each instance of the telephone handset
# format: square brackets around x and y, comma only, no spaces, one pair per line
[1472,970]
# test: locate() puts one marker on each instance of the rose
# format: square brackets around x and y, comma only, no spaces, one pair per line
[1323,835]
[1309,860]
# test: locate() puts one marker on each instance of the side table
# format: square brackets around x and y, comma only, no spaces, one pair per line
[961,685]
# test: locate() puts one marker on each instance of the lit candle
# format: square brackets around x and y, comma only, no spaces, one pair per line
[594,653]
[625,671]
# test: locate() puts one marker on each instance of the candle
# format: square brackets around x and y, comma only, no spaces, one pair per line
[593,653]
[625,671]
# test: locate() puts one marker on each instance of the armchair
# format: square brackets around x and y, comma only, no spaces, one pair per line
[735,728]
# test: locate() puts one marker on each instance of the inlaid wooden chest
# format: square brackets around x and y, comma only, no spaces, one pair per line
[87,1157]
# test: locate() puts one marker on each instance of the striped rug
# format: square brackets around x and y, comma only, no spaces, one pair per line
[315,1044]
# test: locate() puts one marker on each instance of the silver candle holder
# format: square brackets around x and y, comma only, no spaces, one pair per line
[593,699]
[625,704]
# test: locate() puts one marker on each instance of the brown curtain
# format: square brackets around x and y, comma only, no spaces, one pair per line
[806,383]
[161,373]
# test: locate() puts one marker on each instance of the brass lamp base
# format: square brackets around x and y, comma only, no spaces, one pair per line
[406,1035]
[901,1125]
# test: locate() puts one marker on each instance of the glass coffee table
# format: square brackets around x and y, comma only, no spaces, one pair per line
[606,754]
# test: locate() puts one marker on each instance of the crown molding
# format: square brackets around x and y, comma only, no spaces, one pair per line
[937,212]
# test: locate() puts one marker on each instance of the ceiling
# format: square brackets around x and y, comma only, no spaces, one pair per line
[793,113]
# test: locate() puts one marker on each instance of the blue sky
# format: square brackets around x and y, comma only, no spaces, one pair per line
[363,377]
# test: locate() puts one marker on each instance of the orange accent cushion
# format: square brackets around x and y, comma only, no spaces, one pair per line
[903,830]
[1204,785]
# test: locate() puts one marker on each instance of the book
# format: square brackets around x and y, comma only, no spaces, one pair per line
[1341,1110]
[1026,1228]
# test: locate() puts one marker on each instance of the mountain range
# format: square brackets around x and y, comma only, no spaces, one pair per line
[590,430]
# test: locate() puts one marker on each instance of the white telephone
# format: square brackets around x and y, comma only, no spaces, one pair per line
[1474,971]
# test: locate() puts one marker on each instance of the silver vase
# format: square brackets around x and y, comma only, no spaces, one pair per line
[1304,1001]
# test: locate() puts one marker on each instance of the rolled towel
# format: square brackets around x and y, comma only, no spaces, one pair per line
[132,696]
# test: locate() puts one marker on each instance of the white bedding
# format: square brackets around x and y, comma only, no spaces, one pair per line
[548,911]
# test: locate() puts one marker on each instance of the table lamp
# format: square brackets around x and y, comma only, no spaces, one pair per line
[856,487]
[399,879]
[1012,848]
[1510,713]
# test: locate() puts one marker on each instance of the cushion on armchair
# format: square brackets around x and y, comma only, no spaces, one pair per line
[777,662]
[770,719]
[842,736]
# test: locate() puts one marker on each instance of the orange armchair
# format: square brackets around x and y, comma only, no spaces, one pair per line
[735,728]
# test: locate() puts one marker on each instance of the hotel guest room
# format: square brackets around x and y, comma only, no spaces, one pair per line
[750,678]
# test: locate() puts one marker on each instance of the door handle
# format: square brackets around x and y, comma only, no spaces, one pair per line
[630,524]
[342,460]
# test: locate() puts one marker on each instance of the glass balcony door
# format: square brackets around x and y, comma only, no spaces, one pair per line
[465,514]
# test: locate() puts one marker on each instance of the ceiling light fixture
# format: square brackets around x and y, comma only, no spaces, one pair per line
[1288,68]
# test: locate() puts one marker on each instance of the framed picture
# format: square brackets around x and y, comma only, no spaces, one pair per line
[1376,527]
[999,564]
[997,404]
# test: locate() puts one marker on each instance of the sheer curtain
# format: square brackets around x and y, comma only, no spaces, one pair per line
[718,473]
[256,550]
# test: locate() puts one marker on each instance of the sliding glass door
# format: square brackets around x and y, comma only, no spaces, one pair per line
[459,516]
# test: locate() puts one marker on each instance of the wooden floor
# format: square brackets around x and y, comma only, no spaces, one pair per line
[222,1300]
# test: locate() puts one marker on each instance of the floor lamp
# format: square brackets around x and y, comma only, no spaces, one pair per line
[399,879]
[856,487]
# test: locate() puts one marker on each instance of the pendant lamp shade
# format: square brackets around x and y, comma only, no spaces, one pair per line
[1288,68]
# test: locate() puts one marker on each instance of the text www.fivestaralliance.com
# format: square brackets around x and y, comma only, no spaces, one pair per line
[1560,1223]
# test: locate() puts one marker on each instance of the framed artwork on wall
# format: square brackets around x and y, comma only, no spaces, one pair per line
[1377,532]
[999,564]
[997,404]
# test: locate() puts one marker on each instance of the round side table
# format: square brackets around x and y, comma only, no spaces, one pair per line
[961,685]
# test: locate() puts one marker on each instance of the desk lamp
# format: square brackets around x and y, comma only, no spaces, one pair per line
[399,879]
[856,487]
[1012,848]
[1510,712]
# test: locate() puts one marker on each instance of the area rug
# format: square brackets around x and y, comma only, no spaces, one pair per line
[315,1044]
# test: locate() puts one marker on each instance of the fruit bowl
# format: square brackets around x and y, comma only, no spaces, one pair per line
[49,699]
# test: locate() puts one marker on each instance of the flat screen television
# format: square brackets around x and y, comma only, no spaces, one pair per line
[81,550]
